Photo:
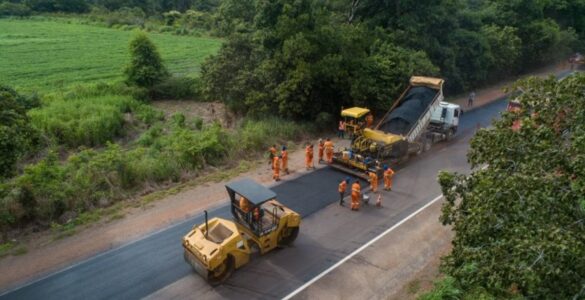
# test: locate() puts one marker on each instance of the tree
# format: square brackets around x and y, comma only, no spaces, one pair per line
[146,67]
[17,137]
[519,223]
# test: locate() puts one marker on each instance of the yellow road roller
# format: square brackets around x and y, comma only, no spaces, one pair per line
[260,223]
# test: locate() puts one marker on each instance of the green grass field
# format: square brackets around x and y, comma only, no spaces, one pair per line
[45,55]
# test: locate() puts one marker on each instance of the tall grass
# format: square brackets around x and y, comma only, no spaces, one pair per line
[261,134]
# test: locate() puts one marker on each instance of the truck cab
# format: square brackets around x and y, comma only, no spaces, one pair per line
[445,119]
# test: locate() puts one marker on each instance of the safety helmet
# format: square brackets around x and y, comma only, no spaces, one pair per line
[283,147]
[347,179]
[385,167]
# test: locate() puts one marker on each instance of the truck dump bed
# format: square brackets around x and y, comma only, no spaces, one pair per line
[411,114]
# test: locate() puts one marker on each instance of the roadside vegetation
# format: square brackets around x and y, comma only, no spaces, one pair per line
[519,230]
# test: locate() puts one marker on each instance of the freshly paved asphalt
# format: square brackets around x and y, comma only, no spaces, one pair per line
[328,233]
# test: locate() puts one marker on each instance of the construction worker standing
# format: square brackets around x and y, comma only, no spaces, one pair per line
[329,150]
[276,169]
[373,181]
[321,150]
[341,189]
[284,159]
[356,191]
[388,174]
[309,157]
[271,155]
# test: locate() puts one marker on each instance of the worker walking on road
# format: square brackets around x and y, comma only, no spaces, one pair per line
[284,159]
[321,148]
[309,157]
[341,189]
[356,192]
[276,169]
[373,181]
[388,174]
[328,150]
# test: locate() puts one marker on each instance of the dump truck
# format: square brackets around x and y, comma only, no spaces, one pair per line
[415,121]
[260,224]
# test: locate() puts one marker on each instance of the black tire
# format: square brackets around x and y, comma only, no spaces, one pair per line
[288,236]
[222,272]
[449,135]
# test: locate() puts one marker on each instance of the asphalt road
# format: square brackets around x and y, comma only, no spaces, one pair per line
[154,265]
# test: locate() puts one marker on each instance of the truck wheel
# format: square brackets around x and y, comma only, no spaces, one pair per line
[427,143]
[222,272]
[450,134]
[288,236]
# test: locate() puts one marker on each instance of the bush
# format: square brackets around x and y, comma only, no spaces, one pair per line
[177,88]
[14,9]
[260,134]
[76,122]
[146,68]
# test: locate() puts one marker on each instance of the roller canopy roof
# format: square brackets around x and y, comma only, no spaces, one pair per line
[251,190]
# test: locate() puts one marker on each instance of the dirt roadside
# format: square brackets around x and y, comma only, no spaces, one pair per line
[45,256]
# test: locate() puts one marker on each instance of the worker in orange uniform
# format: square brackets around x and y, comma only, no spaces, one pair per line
[356,191]
[373,181]
[309,157]
[388,174]
[369,120]
[284,159]
[276,168]
[329,150]
[271,155]
[244,205]
[342,187]
[321,148]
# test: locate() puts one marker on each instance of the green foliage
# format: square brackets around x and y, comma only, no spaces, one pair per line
[49,55]
[519,222]
[260,134]
[146,68]
[444,289]
[82,121]
[505,47]
[177,88]
[17,137]
[299,62]
[14,9]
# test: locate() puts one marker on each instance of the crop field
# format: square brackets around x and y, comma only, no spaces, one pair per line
[44,55]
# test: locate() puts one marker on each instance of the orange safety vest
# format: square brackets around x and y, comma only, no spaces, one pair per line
[328,146]
[342,187]
[388,174]
[356,188]
[275,164]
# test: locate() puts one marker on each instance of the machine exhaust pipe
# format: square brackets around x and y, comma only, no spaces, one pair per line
[206,225]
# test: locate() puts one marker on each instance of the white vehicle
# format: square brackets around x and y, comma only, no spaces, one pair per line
[444,121]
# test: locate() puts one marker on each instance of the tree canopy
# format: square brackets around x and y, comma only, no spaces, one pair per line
[520,222]
[146,67]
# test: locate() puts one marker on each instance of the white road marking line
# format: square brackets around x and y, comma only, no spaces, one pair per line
[360,249]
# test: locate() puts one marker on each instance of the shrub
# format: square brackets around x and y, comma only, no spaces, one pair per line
[194,149]
[177,88]
[146,68]
[260,134]
[14,9]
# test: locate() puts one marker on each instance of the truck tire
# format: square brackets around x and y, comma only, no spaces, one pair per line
[287,236]
[450,133]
